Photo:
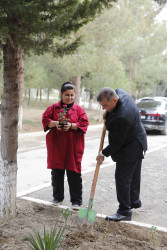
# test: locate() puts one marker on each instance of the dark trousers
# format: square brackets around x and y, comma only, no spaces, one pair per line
[75,185]
[127,177]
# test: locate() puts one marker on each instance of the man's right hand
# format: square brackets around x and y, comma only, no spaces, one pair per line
[100,158]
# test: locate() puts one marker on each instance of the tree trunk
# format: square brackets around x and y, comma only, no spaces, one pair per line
[130,75]
[91,100]
[21,88]
[164,90]
[37,93]
[25,94]
[29,97]
[40,92]
[48,92]
[0,88]
[77,84]
[9,130]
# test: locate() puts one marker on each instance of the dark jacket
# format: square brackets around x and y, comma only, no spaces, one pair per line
[127,136]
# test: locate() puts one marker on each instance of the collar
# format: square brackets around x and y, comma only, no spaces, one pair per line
[116,107]
[59,105]
[68,105]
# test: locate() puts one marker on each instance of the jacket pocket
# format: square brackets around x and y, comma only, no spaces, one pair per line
[79,143]
[78,157]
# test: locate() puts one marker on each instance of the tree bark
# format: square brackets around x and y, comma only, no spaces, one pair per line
[37,93]
[29,97]
[40,93]
[130,74]
[164,90]
[25,94]
[77,84]
[21,88]
[9,129]
[48,94]
[91,100]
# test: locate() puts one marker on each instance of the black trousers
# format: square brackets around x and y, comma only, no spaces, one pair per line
[75,185]
[127,177]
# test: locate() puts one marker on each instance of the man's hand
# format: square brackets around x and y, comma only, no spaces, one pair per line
[100,158]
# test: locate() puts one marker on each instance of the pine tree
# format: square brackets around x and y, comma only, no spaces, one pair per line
[161,2]
[39,26]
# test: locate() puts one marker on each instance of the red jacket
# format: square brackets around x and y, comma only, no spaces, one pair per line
[65,148]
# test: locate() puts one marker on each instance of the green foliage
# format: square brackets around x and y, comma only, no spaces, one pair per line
[40,25]
[120,49]
[153,232]
[63,115]
[66,213]
[130,49]
[51,240]
[161,2]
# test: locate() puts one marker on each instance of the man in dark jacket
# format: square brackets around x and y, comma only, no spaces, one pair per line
[127,144]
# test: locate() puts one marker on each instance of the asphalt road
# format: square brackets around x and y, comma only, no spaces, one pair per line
[34,179]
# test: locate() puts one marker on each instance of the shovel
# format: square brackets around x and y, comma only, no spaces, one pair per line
[87,216]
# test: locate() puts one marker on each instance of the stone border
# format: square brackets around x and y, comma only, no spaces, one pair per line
[136,223]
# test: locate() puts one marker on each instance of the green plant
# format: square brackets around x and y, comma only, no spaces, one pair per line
[50,241]
[153,232]
[62,115]
[105,234]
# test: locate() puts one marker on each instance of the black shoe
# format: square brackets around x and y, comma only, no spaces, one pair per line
[57,202]
[76,206]
[118,217]
[136,205]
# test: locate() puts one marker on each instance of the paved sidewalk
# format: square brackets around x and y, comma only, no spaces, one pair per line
[153,190]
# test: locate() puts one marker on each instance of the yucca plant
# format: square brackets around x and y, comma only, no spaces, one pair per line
[50,241]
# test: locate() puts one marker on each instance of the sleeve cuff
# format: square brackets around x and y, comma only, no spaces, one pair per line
[101,153]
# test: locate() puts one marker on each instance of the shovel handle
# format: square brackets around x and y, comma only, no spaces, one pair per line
[98,163]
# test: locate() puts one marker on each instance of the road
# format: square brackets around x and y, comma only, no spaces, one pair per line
[34,179]
[32,171]
[32,155]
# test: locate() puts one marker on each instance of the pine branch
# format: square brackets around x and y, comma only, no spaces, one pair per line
[161,2]
[36,23]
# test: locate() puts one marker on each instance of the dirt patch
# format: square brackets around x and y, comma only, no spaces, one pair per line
[32,217]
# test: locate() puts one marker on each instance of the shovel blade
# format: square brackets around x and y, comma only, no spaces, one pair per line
[86,217]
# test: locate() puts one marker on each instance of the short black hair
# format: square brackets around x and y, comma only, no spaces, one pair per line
[67,85]
[106,92]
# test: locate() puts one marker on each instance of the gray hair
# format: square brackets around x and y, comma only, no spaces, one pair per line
[107,93]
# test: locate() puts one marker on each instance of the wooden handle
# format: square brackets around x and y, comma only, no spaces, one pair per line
[98,163]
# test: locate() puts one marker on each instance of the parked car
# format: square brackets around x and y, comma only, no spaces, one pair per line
[153,111]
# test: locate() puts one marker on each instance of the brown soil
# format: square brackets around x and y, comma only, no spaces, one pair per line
[32,217]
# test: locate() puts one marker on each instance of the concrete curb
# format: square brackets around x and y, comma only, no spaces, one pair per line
[136,223]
